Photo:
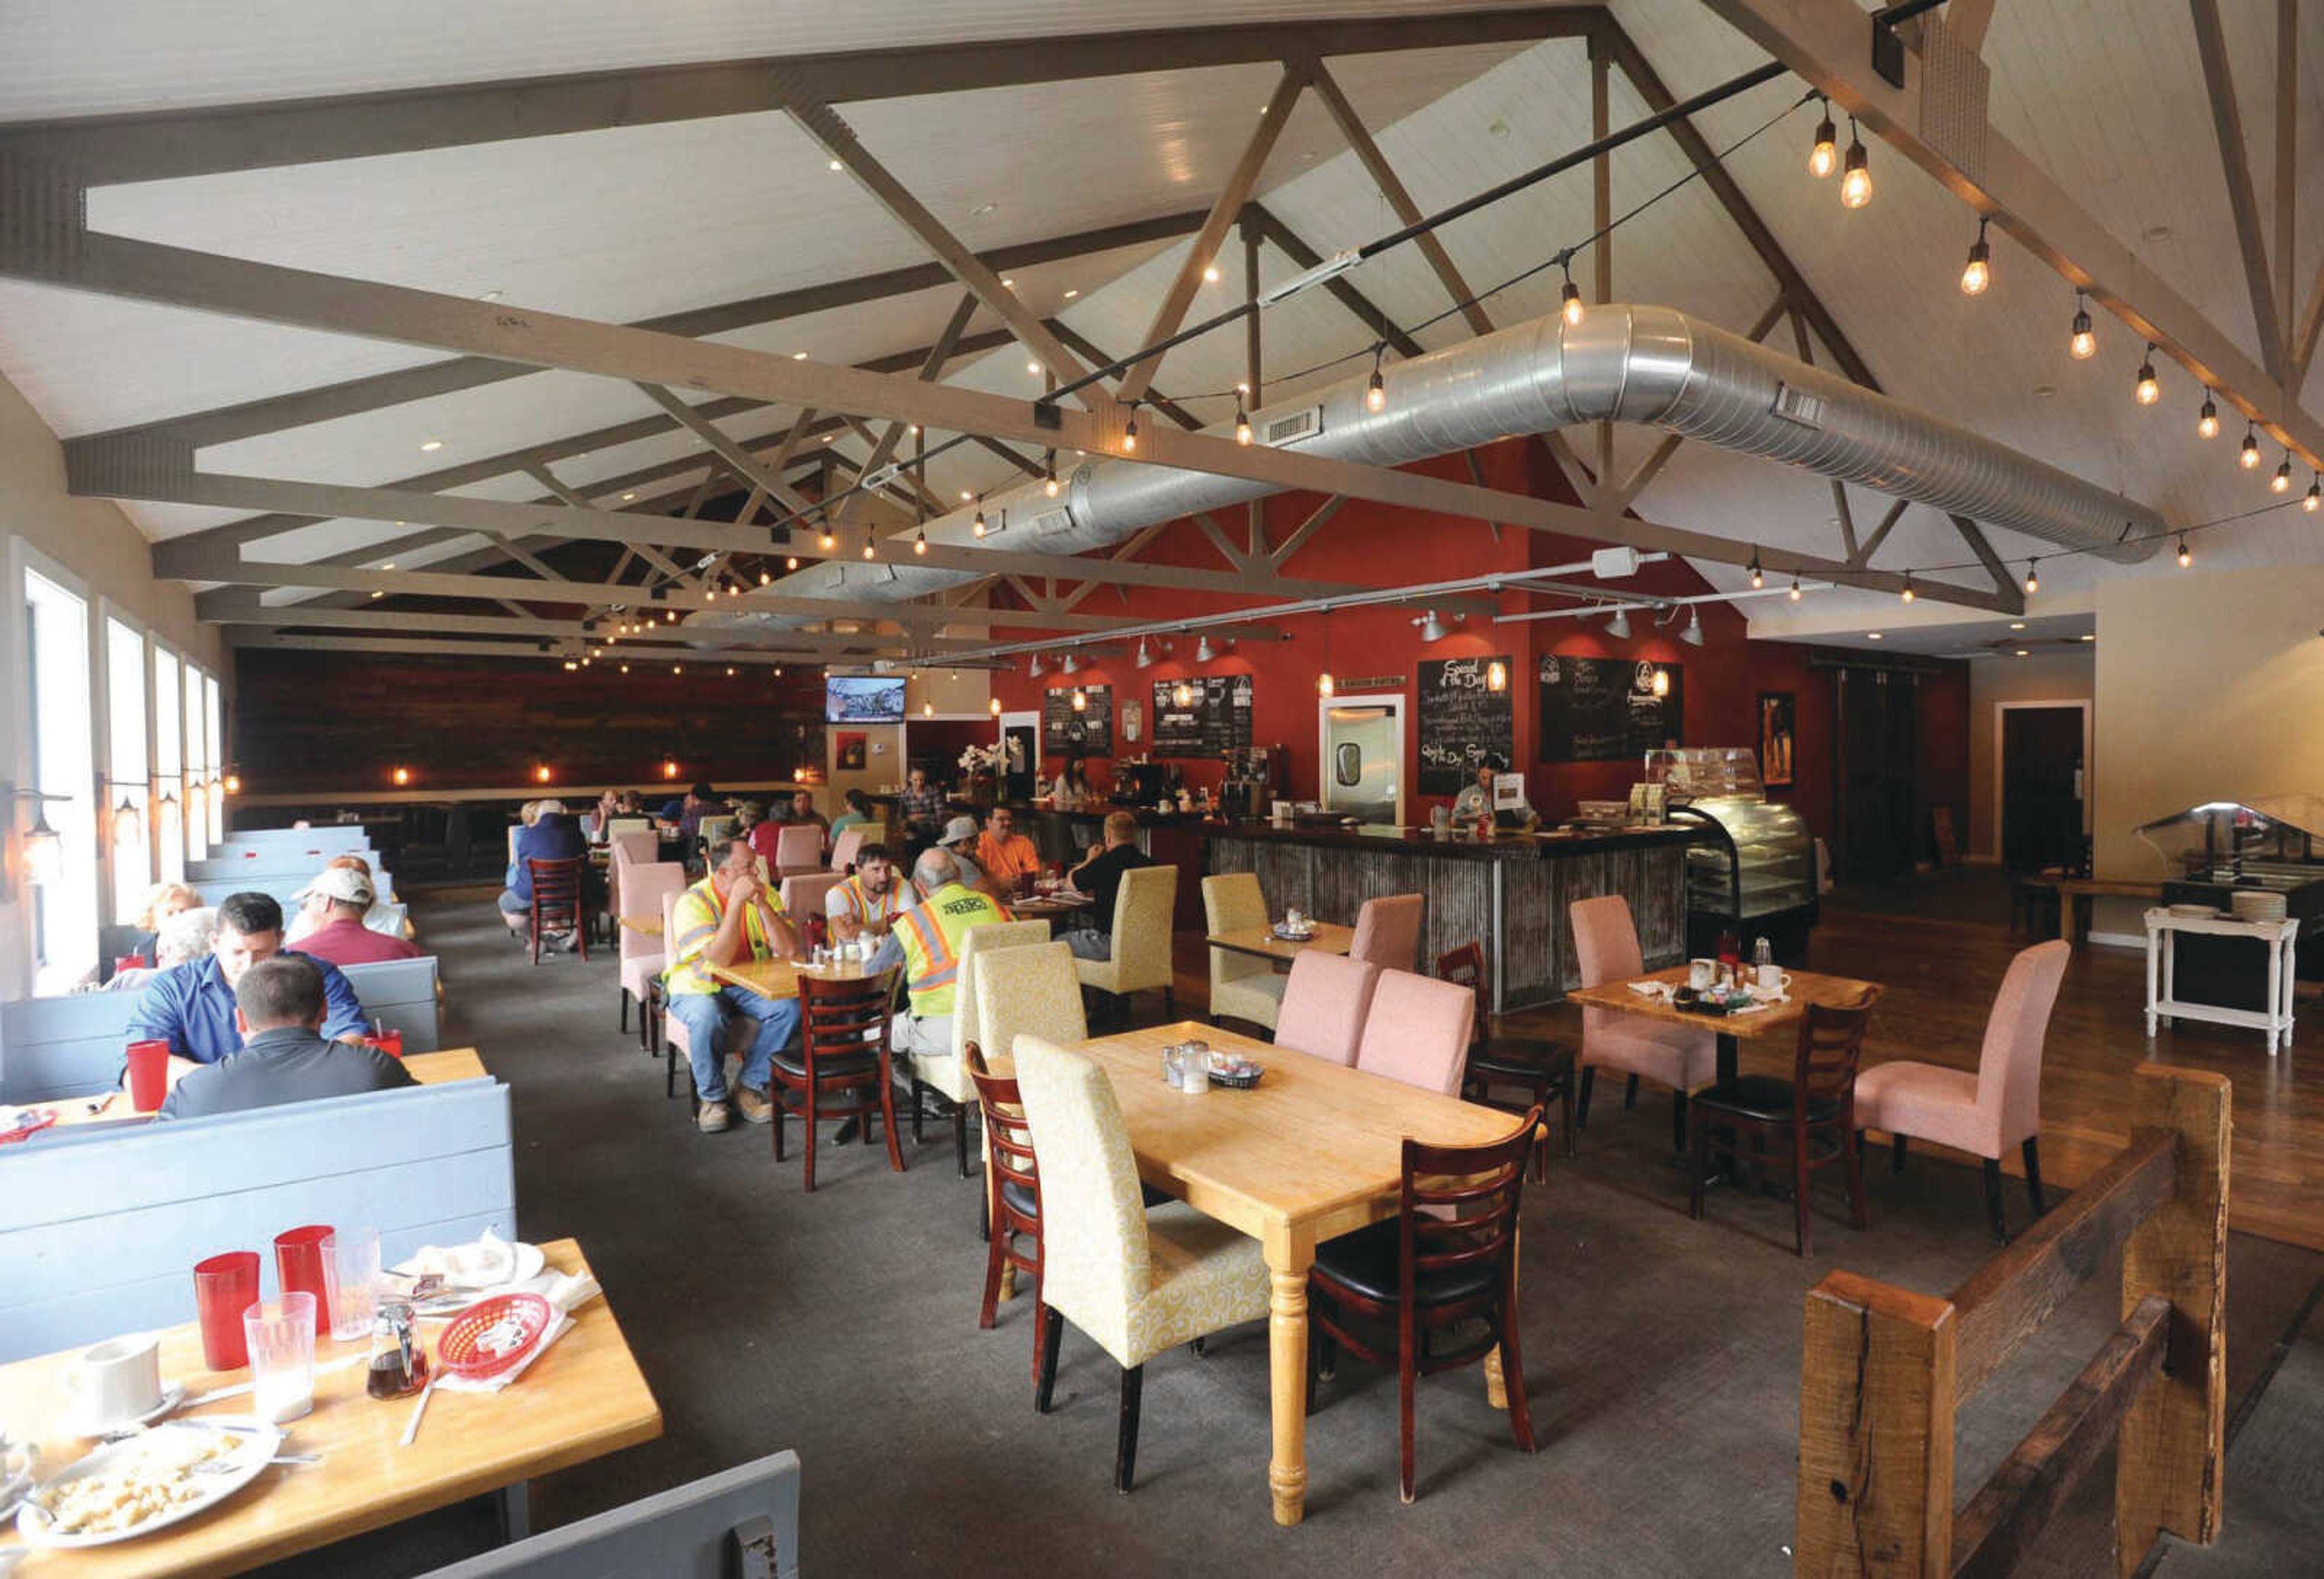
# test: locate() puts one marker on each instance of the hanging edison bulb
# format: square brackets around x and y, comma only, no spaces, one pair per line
[2313,500]
[2207,424]
[1824,157]
[1243,422]
[1855,183]
[2148,390]
[2248,456]
[1977,274]
[2186,554]
[2084,342]
[2282,482]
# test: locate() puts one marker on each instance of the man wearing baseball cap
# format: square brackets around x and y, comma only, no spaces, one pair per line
[342,940]
[959,841]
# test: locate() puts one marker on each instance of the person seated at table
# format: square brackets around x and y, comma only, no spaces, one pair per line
[1008,858]
[1072,791]
[315,907]
[921,806]
[1099,876]
[728,918]
[608,806]
[747,815]
[553,836]
[687,811]
[1475,800]
[803,810]
[869,901]
[529,813]
[855,811]
[162,900]
[926,941]
[184,938]
[959,840]
[279,1005]
[191,1006]
[343,938]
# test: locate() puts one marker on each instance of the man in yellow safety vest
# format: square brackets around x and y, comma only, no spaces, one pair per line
[726,918]
[927,942]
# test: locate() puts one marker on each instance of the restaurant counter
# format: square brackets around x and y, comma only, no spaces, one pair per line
[1509,892]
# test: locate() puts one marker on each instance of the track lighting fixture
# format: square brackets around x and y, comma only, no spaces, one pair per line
[1243,422]
[1759,577]
[1375,386]
[1569,296]
[1432,626]
[1145,657]
[2084,343]
[1693,634]
[1619,627]
[1073,662]
[1824,157]
[1855,183]
[1033,669]
[2148,388]
[1978,274]
[1202,653]
[2033,578]
[2249,457]
[2186,554]
[2206,423]
[2282,482]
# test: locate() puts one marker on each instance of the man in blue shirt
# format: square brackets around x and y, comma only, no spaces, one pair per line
[191,1006]
[553,836]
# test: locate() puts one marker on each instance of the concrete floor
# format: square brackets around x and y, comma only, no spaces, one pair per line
[1663,1354]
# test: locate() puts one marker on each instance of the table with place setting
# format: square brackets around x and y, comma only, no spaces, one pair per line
[1275,941]
[114,1107]
[212,1485]
[1657,995]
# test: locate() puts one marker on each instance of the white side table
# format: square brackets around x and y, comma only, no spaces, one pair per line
[2162,1001]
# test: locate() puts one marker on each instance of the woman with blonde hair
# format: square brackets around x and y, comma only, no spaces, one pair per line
[162,900]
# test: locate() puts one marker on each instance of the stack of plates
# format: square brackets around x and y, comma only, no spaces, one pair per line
[2253,904]
[2196,912]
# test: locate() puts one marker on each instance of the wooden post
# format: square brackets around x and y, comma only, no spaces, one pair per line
[1876,1469]
[2169,1466]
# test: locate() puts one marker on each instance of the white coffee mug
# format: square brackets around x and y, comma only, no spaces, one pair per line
[117,1381]
[1702,974]
[1775,978]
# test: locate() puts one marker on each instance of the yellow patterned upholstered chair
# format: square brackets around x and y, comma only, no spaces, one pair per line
[1135,1282]
[1031,991]
[1243,986]
[946,1074]
[1142,938]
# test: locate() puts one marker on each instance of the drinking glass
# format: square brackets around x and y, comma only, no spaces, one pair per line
[224,1286]
[300,1265]
[281,1337]
[352,1256]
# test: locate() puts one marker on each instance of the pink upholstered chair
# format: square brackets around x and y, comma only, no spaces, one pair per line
[799,844]
[1606,943]
[1324,1005]
[803,895]
[1417,1031]
[1388,932]
[843,847]
[643,885]
[633,849]
[1997,1107]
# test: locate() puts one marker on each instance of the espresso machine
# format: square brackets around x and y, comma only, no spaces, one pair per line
[1142,784]
[1253,780]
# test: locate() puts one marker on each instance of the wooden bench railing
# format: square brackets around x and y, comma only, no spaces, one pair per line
[1885,1369]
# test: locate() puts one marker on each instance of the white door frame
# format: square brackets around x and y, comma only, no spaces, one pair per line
[2001,762]
[1392,700]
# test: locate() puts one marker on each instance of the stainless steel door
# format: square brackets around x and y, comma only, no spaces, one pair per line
[1363,758]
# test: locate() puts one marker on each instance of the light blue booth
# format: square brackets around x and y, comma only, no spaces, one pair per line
[100,1227]
[742,1521]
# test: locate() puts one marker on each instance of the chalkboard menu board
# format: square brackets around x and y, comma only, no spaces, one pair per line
[1086,734]
[1461,721]
[1216,717]
[1605,709]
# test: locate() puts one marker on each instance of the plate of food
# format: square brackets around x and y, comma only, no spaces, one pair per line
[147,1482]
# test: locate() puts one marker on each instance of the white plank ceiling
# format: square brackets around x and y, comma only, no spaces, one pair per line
[2106,95]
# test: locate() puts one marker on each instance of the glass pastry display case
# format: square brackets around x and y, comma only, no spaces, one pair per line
[1752,869]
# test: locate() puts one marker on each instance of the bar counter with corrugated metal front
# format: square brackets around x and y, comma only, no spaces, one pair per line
[1509,893]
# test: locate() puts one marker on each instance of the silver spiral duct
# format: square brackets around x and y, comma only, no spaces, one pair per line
[1653,365]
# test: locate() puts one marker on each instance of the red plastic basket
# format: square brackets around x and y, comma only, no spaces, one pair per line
[457,1351]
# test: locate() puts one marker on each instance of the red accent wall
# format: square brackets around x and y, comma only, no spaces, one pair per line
[1378,544]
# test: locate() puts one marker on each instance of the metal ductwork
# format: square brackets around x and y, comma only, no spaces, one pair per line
[1651,365]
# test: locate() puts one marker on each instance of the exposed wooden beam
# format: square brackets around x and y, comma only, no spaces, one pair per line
[1202,258]
[2311,319]
[1967,21]
[1973,537]
[1317,519]
[1863,556]
[1399,199]
[2234,165]
[1824,42]
[855,651]
[168,144]
[1154,397]
[724,446]
[931,367]
[2287,186]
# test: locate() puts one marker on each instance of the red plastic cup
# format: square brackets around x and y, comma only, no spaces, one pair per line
[149,1075]
[128,962]
[300,1267]
[225,1285]
[389,1042]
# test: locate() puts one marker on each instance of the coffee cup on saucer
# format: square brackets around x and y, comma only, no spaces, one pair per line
[1702,974]
[114,1384]
[1773,979]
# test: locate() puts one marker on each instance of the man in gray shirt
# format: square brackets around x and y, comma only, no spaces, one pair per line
[279,1005]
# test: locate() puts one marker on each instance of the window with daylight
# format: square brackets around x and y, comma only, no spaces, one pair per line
[197,790]
[168,745]
[63,895]
[125,793]
[215,740]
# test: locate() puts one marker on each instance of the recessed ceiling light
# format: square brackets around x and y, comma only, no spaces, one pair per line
[2090,637]
[2022,653]
[2046,392]
[2017,625]
[2156,232]
[379,595]
[490,295]
[1872,635]
[1032,366]
[1007,284]
[1210,274]
[1071,294]
[389,566]
[981,209]
[627,497]
[966,496]
[799,356]
[430,446]
[834,165]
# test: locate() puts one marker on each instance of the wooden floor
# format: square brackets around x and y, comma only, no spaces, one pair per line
[1941,974]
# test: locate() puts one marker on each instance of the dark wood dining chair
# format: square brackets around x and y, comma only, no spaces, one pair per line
[1448,1259]
[1012,1183]
[560,901]
[1540,1068]
[1813,1113]
[840,1068]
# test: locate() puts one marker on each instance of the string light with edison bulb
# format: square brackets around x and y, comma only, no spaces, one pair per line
[1049,484]
[2033,578]
[1855,183]
[2207,424]
[2248,456]
[1569,295]
[2084,342]
[1909,594]
[2186,554]
[1759,577]
[1375,386]
[2149,389]
[2282,482]
[1129,431]
[977,527]
[1824,157]
[1977,274]
[1242,421]
[2313,500]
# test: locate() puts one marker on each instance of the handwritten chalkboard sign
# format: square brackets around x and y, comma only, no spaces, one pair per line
[1215,718]
[1605,709]
[1088,732]
[1463,719]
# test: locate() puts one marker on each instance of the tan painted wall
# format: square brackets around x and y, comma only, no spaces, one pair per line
[2209,686]
[2053,676]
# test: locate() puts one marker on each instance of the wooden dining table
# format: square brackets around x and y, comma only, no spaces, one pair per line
[1314,1150]
[112,1107]
[581,1400]
[1781,1020]
[1329,939]
[779,978]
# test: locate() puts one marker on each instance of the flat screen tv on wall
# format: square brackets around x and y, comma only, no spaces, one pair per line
[855,698]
